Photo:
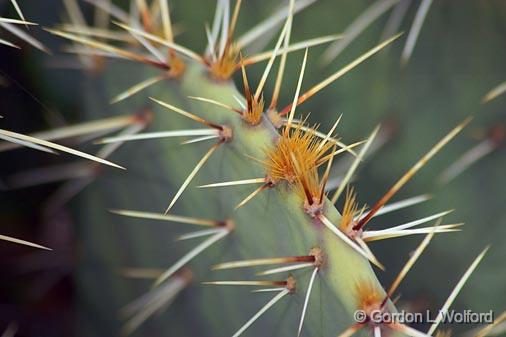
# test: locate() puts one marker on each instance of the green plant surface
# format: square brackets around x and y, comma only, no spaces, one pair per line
[223,169]
[456,61]
[272,224]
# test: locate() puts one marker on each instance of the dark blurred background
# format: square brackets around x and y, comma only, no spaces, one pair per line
[460,55]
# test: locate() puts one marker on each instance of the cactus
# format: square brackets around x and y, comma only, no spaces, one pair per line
[261,200]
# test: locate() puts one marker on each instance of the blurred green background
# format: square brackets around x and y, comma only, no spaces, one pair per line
[460,55]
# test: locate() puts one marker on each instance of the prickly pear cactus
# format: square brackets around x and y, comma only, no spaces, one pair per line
[272,224]
[266,199]
[225,221]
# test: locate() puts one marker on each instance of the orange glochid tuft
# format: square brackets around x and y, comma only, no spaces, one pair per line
[295,155]
[443,333]
[368,297]
[176,66]
[350,211]
[254,111]
[254,105]
[223,68]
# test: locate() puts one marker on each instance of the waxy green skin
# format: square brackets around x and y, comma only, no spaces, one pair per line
[273,224]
